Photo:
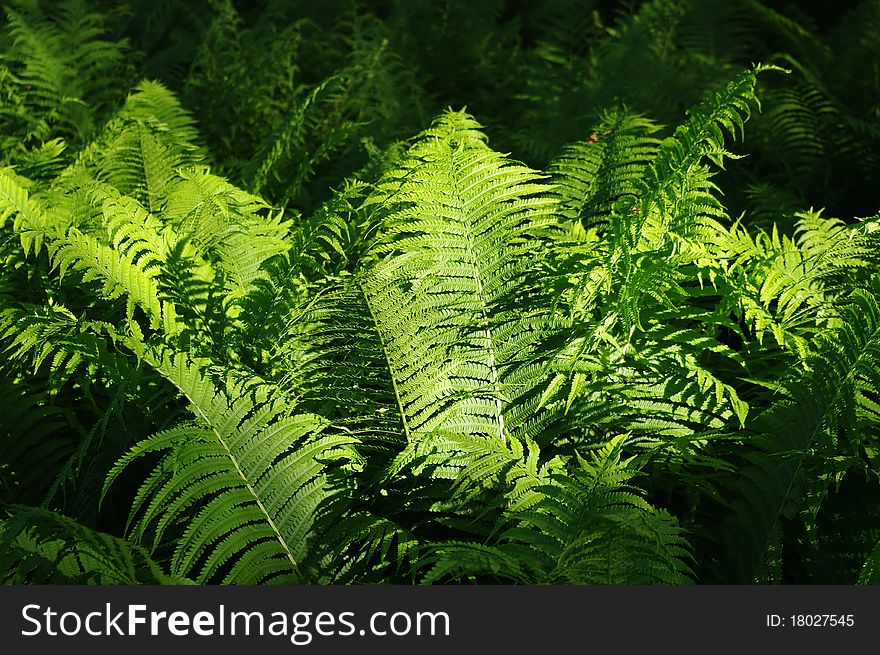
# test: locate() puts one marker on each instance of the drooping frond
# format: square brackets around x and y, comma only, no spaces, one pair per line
[34,336]
[29,219]
[119,273]
[42,547]
[249,470]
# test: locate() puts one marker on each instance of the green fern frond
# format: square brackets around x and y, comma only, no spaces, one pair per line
[788,285]
[225,224]
[33,336]
[702,136]
[344,367]
[290,143]
[466,226]
[576,524]
[365,548]
[30,220]
[251,471]
[119,272]
[42,547]
[592,175]
[139,150]
[63,74]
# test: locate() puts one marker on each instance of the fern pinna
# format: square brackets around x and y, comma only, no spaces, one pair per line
[453,366]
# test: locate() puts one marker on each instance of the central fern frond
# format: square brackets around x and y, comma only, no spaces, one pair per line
[465,227]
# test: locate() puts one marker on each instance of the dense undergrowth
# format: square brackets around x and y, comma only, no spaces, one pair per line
[424,292]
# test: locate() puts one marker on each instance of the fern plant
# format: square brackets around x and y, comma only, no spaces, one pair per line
[315,338]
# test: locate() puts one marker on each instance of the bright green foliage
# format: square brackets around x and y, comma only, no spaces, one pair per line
[263,320]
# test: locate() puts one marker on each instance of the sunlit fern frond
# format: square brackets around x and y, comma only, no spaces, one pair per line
[592,175]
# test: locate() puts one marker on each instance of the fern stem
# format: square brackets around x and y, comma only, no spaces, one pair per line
[262,507]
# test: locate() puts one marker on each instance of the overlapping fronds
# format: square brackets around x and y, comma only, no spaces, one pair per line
[577,524]
[592,175]
[465,227]
[787,285]
[139,150]
[59,75]
[326,339]
[824,421]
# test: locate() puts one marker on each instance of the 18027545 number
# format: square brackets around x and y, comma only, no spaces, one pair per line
[822,620]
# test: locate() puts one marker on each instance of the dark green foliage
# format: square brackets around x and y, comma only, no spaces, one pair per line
[42,547]
[823,427]
[58,73]
[275,308]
